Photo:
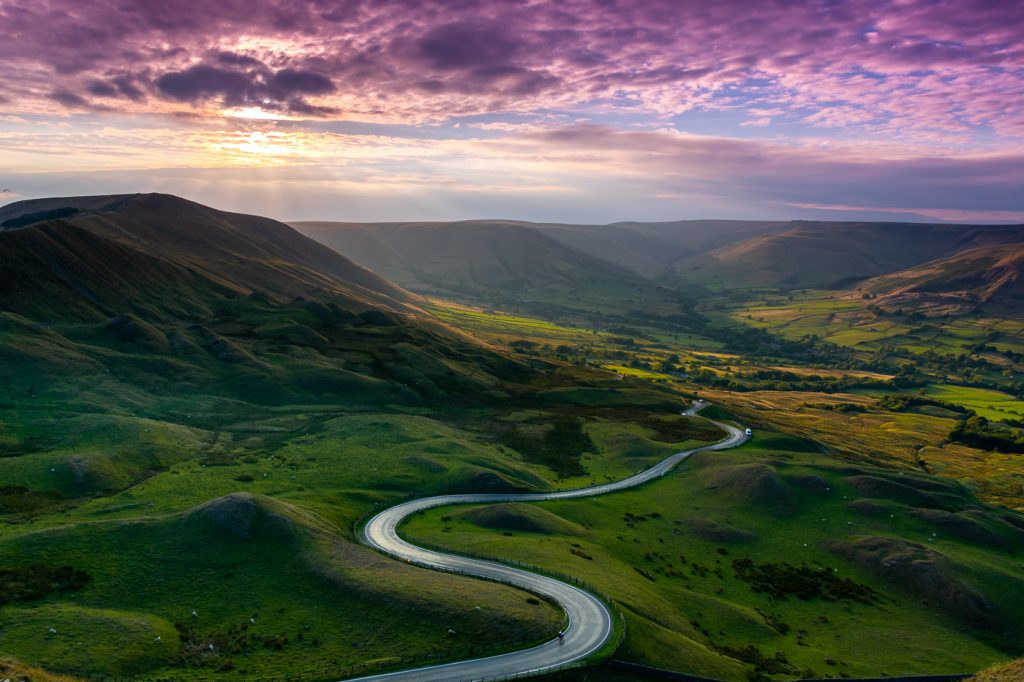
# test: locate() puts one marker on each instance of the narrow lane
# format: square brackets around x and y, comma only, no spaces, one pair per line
[591,623]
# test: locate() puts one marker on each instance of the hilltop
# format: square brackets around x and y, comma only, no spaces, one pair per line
[97,254]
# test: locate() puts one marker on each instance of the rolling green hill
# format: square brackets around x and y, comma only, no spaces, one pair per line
[197,407]
[148,306]
[242,585]
[771,562]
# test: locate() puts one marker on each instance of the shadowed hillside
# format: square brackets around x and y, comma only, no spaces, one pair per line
[491,261]
[826,255]
[174,297]
[651,249]
[81,243]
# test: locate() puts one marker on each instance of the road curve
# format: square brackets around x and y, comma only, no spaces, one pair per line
[590,621]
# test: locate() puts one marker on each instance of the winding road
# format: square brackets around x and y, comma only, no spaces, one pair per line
[590,621]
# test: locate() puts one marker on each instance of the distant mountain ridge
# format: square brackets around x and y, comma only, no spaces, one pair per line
[494,261]
[504,260]
[825,254]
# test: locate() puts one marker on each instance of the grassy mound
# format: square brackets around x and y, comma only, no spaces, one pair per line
[267,584]
[241,516]
[132,330]
[900,491]
[810,482]
[711,530]
[924,571]
[972,525]
[753,483]
[520,517]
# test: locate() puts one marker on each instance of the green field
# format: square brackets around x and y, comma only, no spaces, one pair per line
[994,405]
[665,554]
[247,512]
[220,469]
[241,586]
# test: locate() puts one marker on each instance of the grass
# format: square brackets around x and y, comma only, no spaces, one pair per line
[113,442]
[266,583]
[15,670]
[664,553]
[912,440]
[114,488]
[994,405]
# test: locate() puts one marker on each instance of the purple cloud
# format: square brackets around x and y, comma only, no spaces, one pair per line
[69,99]
[868,103]
[947,66]
[203,81]
[259,85]
[745,172]
[465,45]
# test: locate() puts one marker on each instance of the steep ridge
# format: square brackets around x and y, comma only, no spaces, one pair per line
[990,276]
[183,299]
[234,252]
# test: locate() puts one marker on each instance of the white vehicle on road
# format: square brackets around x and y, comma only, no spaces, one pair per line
[749,432]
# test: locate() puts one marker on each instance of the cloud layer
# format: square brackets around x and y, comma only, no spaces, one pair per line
[915,65]
[912,100]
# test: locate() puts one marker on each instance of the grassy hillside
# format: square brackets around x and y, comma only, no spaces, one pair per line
[651,249]
[196,408]
[779,562]
[992,278]
[511,264]
[245,585]
[807,254]
[242,253]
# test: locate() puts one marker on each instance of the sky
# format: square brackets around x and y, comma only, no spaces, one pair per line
[589,111]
